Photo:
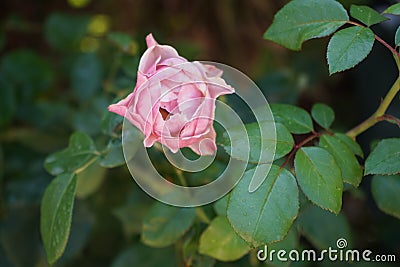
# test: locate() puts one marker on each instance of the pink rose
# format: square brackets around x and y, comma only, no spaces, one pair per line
[173,101]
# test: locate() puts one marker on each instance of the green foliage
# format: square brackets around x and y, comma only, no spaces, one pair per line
[269,212]
[56,214]
[164,224]
[290,242]
[393,9]
[284,141]
[366,15]
[350,168]
[323,115]
[191,250]
[123,41]
[334,227]
[86,76]
[80,150]
[221,242]
[297,120]
[34,79]
[113,156]
[397,37]
[386,192]
[348,47]
[45,99]
[89,180]
[301,20]
[139,255]
[385,158]
[254,139]
[319,177]
[64,31]
[351,144]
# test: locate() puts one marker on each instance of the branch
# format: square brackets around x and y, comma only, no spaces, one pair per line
[376,117]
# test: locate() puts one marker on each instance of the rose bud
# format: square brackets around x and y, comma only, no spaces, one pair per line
[173,101]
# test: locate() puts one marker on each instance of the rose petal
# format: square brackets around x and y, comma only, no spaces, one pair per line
[156,54]
[150,41]
[206,145]
[212,71]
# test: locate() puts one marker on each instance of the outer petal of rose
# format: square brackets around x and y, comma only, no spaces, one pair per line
[217,88]
[212,71]
[216,85]
[149,140]
[150,41]
[154,55]
[122,108]
[206,144]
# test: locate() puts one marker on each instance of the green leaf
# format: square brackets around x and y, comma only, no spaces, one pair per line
[344,157]
[8,101]
[319,177]
[113,156]
[385,158]
[86,120]
[350,143]
[397,37]
[56,215]
[393,9]
[333,227]
[296,119]
[80,150]
[221,242]
[140,255]
[64,31]
[86,76]
[2,40]
[190,251]
[366,15]
[289,243]
[386,193]
[123,41]
[221,205]
[89,180]
[111,123]
[37,77]
[164,224]
[129,65]
[20,244]
[235,136]
[265,215]
[348,47]
[301,20]
[323,115]
[284,142]
[132,213]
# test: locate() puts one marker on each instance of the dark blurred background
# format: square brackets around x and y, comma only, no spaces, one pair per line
[62,64]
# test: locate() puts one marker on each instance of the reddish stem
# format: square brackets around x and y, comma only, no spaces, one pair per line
[298,146]
[379,39]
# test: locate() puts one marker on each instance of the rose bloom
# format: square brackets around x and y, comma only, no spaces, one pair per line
[173,101]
